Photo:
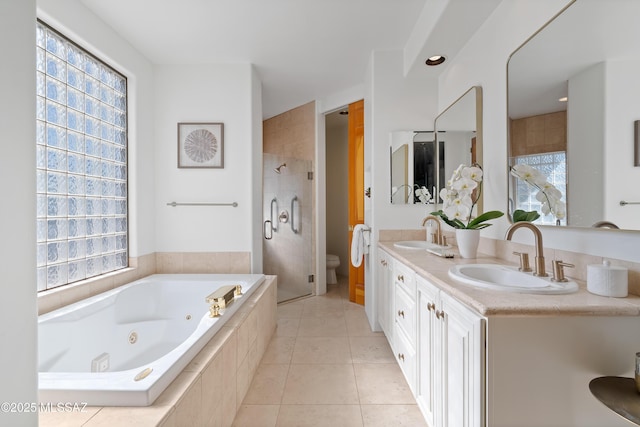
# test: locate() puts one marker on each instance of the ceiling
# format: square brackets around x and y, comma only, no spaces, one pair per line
[302,50]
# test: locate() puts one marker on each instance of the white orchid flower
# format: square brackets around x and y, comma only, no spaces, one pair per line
[465,184]
[473,173]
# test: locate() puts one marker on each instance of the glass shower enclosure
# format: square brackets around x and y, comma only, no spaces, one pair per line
[287,225]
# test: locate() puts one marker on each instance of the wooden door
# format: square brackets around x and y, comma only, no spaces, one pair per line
[356,193]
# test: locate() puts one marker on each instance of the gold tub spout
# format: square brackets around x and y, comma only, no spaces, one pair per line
[220,299]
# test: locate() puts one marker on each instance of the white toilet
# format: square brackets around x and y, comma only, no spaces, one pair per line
[333,261]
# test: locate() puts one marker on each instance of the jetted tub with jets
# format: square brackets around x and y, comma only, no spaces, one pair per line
[124,347]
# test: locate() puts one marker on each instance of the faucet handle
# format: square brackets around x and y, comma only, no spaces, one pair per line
[558,271]
[524,261]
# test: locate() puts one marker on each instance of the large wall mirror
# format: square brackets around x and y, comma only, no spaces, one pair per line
[426,159]
[573,98]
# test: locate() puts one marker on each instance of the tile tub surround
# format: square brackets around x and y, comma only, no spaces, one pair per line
[490,303]
[211,388]
[146,265]
[503,251]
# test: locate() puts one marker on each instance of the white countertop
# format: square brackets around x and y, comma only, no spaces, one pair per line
[494,303]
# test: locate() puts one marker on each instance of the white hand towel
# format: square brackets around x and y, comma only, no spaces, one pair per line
[359,244]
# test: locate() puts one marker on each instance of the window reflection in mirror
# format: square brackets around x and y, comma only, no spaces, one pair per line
[573,90]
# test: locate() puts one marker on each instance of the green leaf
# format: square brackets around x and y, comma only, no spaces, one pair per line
[455,223]
[476,223]
[520,215]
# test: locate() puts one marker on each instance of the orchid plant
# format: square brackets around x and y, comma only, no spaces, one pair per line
[548,195]
[459,199]
[423,194]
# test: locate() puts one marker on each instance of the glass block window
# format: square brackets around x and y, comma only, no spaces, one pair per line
[81,163]
[554,167]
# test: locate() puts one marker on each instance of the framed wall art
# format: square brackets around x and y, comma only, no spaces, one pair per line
[200,145]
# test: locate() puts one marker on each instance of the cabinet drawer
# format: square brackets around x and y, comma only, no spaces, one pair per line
[405,278]
[406,357]
[405,314]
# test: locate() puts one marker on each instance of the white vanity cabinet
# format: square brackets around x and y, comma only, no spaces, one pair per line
[404,331]
[450,350]
[385,290]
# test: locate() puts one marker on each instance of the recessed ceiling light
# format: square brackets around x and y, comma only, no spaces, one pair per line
[435,60]
[563,99]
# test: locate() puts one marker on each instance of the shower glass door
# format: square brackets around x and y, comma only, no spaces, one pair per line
[287,225]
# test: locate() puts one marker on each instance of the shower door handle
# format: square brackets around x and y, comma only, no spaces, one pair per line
[273,228]
[293,214]
[267,227]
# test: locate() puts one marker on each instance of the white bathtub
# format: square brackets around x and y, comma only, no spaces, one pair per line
[159,322]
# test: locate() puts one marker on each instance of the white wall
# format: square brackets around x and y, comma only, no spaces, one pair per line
[206,93]
[256,172]
[393,102]
[18,333]
[585,147]
[483,62]
[337,140]
[75,21]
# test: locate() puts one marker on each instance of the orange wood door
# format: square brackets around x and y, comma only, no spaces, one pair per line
[356,193]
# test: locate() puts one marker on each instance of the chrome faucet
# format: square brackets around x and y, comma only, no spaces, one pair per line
[540,269]
[439,238]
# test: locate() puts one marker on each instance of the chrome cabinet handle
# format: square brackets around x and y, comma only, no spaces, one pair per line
[431,306]
[400,278]
[439,314]
[401,313]
[401,356]
[293,215]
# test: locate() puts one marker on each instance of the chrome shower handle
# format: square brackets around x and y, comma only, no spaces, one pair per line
[273,227]
[293,215]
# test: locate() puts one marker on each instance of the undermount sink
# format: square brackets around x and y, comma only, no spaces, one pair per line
[419,244]
[509,279]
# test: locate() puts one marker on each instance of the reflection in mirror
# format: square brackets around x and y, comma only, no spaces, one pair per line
[459,132]
[459,135]
[573,97]
[413,166]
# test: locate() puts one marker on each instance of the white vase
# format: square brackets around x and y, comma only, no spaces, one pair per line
[468,241]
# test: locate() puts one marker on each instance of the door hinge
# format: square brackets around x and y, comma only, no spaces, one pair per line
[311,278]
[310,176]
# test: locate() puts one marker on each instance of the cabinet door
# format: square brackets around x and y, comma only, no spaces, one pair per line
[428,337]
[462,367]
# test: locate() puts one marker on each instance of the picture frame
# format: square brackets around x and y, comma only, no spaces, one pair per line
[201,145]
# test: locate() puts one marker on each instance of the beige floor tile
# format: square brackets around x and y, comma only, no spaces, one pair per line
[279,350]
[392,415]
[322,327]
[293,309]
[319,416]
[358,324]
[321,350]
[371,350]
[267,386]
[323,307]
[382,383]
[256,415]
[287,327]
[321,384]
